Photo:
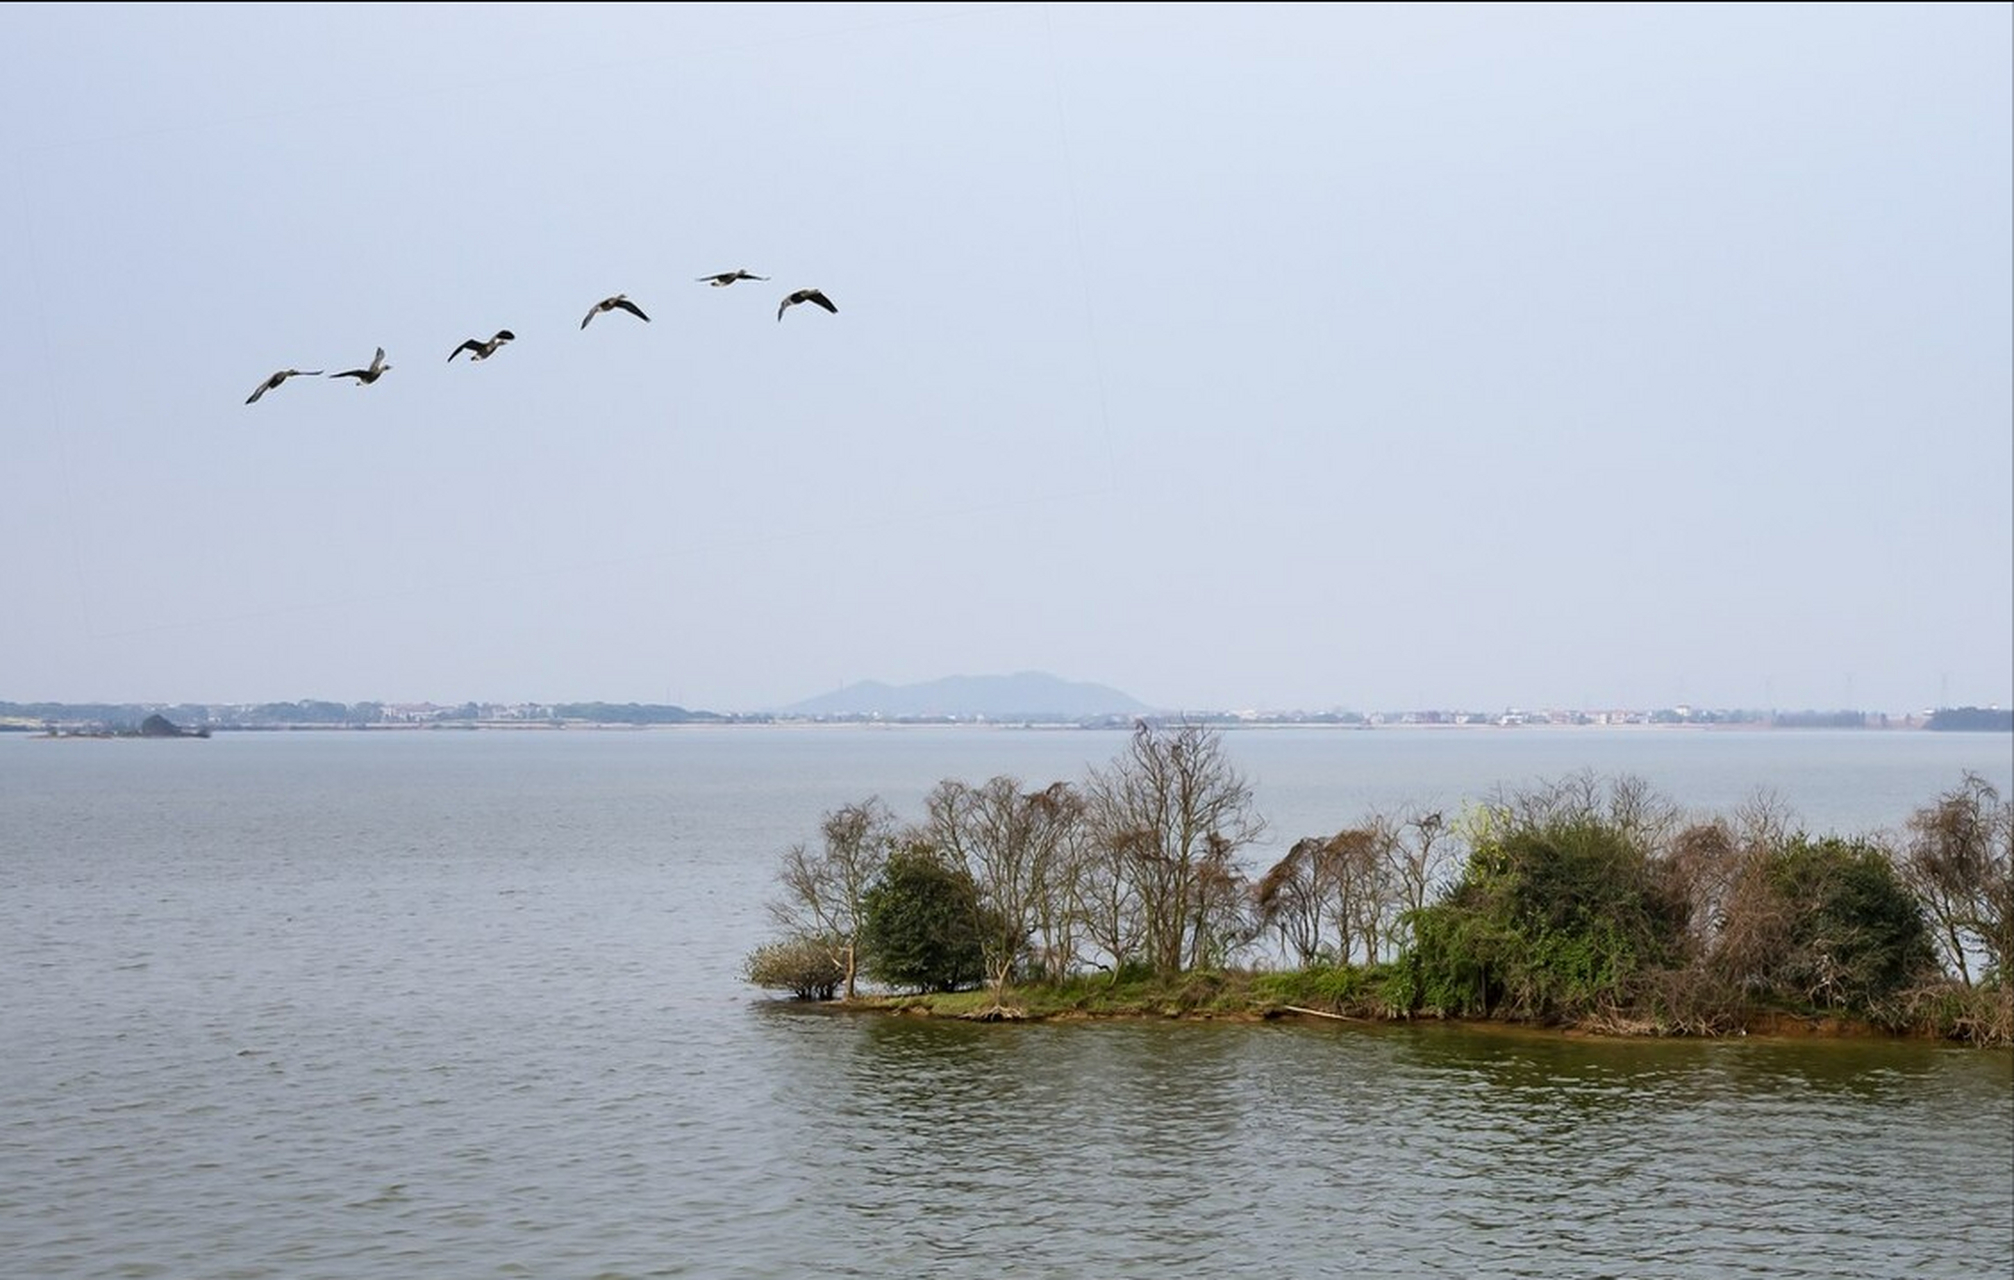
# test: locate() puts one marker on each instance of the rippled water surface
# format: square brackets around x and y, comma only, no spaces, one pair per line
[442,1005]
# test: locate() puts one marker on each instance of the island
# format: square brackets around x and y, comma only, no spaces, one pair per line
[1586,904]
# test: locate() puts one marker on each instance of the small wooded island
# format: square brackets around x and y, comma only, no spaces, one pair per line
[1588,904]
[154,726]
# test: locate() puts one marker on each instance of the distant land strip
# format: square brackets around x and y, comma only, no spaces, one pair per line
[114,718]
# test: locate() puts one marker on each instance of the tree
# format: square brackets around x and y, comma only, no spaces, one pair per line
[1364,887]
[1021,850]
[1291,899]
[1827,922]
[1330,896]
[1960,863]
[1417,857]
[1169,816]
[922,925]
[1107,901]
[1561,911]
[1058,842]
[824,893]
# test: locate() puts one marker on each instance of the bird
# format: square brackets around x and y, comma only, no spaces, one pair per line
[610,304]
[806,295]
[480,350]
[273,382]
[365,377]
[722,278]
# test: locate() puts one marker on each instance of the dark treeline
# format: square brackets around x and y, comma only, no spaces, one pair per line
[1586,902]
[1973,719]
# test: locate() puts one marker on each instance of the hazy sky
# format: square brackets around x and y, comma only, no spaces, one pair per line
[1238,356]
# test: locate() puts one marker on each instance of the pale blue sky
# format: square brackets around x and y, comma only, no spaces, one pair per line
[1238,356]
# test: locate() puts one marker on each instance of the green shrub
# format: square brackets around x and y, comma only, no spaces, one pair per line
[1552,919]
[1855,936]
[922,925]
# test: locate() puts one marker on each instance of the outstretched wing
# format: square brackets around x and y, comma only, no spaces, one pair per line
[266,386]
[469,345]
[632,308]
[592,312]
[813,295]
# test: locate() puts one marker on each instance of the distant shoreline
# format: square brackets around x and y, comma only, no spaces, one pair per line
[88,730]
[80,730]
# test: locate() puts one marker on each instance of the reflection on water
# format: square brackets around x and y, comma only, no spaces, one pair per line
[330,1007]
[1280,1149]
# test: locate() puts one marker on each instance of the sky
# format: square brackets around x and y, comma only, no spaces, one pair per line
[1359,357]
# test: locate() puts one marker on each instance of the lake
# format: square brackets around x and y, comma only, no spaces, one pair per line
[446,1004]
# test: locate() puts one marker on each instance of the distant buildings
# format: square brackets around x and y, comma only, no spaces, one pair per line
[114,718]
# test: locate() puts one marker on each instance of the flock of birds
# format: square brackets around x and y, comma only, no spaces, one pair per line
[484,348]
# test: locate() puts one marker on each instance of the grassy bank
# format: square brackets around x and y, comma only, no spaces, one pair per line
[1363,994]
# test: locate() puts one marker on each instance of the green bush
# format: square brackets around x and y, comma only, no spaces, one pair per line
[922,924]
[1552,919]
[1855,936]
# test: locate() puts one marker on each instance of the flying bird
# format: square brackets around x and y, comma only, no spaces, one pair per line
[610,304]
[480,350]
[806,295]
[365,377]
[273,382]
[723,278]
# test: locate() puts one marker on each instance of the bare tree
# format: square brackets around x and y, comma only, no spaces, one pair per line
[1333,896]
[1626,803]
[1292,899]
[1019,851]
[824,892]
[1219,924]
[1171,813]
[1106,900]
[1704,860]
[1960,862]
[1058,836]
[1418,856]
[1368,858]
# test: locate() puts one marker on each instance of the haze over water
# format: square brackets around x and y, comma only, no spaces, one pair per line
[356,1005]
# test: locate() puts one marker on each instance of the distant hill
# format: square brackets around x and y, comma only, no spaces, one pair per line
[1026,695]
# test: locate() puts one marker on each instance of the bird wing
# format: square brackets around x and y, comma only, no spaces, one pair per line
[378,360]
[264,387]
[784,305]
[593,311]
[469,345]
[632,308]
[814,295]
[350,373]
